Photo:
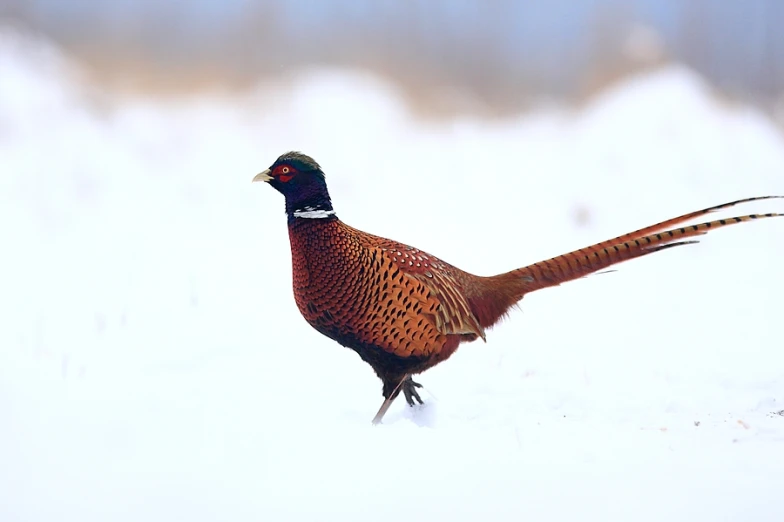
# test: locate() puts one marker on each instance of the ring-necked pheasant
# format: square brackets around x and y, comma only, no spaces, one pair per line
[403,310]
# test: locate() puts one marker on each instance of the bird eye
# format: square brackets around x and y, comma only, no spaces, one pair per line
[284,173]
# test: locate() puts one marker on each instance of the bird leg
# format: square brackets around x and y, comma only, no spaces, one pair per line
[390,393]
[409,391]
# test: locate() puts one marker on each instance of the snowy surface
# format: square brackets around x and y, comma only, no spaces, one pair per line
[153,365]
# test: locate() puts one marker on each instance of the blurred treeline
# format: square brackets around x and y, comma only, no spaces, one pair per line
[487,56]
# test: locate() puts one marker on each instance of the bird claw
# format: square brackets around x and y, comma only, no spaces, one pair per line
[410,393]
[407,386]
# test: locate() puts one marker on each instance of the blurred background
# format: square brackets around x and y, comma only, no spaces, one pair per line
[153,364]
[489,57]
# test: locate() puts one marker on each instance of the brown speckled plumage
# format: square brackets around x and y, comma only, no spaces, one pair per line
[362,289]
[403,310]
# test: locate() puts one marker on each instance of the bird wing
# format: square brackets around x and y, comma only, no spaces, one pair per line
[414,301]
[439,292]
[451,313]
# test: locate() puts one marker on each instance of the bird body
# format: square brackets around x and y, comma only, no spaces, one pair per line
[403,310]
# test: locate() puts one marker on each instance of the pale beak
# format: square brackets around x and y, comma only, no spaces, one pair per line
[263,176]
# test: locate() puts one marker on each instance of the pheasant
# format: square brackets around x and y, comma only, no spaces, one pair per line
[403,310]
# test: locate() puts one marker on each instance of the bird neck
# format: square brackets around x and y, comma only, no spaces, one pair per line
[318,206]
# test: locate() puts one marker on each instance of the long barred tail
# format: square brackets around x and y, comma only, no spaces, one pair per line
[642,242]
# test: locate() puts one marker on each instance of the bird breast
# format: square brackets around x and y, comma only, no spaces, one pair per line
[355,291]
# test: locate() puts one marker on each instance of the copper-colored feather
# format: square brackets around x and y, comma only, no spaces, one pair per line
[403,310]
[628,246]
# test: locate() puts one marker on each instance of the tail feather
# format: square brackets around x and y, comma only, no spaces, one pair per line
[567,267]
[669,224]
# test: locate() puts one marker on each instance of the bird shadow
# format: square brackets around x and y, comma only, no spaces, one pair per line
[423,415]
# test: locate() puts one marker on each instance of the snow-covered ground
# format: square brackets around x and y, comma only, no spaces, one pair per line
[153,365]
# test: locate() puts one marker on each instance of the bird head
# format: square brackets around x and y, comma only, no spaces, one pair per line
[300,179]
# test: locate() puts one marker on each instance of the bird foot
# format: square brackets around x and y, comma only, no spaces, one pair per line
[408,386]
[409,391]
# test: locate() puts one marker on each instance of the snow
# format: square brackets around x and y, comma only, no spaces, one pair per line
[153,365]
